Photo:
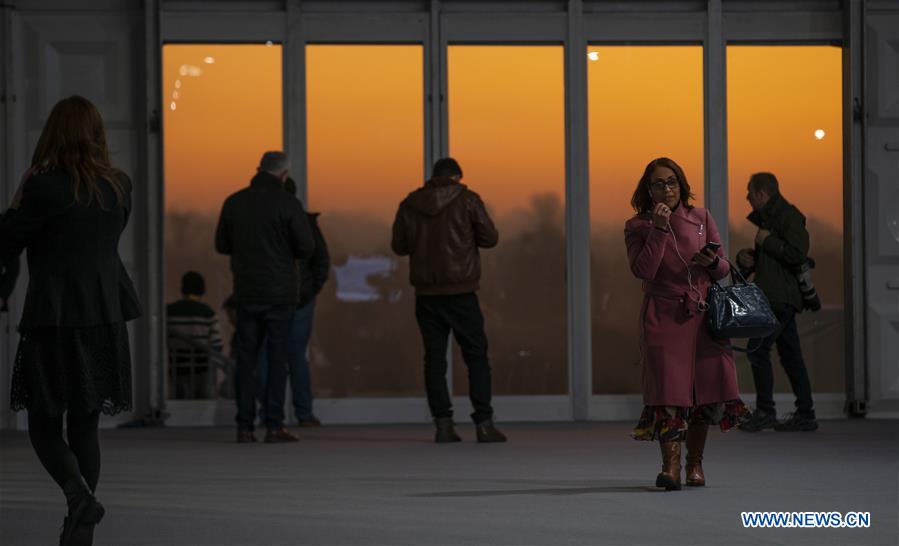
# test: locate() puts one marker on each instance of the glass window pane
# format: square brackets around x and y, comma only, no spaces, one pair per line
[221,111]
[507,130]
[784,115]
[365,134]
[644,102]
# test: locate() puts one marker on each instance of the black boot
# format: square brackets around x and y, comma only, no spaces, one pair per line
[487,432]
[446,431]
[84,510]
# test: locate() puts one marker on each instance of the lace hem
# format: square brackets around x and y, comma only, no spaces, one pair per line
[78,369]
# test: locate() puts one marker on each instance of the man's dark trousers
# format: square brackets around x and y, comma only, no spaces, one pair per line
[460,314]
[786,337]
[256,323]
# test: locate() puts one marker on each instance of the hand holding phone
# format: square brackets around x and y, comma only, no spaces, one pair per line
[708,255]
[712,248]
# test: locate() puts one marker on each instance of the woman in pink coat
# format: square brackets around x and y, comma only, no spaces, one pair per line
[689,377]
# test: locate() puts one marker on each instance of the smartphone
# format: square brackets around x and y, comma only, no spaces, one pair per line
[712,247]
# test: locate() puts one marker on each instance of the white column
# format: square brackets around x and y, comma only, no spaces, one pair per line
[577,217]
[715,86]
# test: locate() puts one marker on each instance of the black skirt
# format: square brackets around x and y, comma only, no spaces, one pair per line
[78,369]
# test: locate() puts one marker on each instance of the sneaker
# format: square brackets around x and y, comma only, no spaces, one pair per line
[309,422]
[797,423]
[279,436]
[759,421]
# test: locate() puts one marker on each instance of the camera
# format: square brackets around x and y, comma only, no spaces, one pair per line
[810,299]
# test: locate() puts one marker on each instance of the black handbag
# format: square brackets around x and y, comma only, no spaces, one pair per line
[740,310]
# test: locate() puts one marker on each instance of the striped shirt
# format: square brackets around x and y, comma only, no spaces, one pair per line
[195,320]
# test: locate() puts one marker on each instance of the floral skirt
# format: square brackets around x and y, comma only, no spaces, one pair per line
[670,423]
[80,369]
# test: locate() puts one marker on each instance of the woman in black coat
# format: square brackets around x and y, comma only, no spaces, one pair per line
[73,357]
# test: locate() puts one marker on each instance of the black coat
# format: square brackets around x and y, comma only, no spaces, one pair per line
[76,277]
[9,273]
[314,270]
[264,230]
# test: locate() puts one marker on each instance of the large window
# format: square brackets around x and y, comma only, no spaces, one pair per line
[644,102]
[784,115]
[222,110]
[507,130]
[365,112]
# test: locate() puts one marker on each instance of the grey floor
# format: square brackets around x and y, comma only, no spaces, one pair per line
[388,485]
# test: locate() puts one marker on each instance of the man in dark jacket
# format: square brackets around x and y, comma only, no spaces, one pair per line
[440,227]
[313,276]
[781,247]
[264,234]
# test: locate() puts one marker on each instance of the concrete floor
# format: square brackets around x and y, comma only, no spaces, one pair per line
[388,485]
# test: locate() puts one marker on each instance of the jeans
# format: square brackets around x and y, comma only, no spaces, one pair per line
[437,316]
[258,324]
[786,337]
[298,363]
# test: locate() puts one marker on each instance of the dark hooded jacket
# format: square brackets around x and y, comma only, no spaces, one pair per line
[782,252]
[440,227]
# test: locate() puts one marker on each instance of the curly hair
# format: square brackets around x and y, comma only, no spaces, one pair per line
[641,201]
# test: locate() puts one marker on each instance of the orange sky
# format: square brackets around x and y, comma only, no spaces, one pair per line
[224,119]
[365,126]
[507,122]
[365,122]
[778,96]
[644,102]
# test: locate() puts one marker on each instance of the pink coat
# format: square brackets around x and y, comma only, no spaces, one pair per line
[681,358]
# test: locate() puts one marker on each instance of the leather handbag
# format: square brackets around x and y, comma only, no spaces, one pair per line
[740,310]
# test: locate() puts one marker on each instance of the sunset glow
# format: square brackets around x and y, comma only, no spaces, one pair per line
[365,110]
[226,114]
[778,98]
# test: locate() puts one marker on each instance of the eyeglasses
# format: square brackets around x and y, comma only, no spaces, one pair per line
[660,185]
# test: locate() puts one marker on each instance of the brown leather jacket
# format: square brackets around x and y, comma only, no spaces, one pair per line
[440,227]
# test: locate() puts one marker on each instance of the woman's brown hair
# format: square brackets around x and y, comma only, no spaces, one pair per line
[74,141]
[642,200]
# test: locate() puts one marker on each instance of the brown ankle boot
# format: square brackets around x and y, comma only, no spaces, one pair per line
[669,477]
[446,431]
[696,436]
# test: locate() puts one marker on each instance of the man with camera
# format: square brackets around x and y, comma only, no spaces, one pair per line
[780,263]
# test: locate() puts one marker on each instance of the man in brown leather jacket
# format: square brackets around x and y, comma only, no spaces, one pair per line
[441,226]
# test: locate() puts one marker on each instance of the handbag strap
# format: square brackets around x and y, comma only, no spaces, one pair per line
[735,274]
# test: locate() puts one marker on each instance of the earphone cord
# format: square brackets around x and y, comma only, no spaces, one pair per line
[700,302]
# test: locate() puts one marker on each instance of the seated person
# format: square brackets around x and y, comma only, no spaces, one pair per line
[192,326]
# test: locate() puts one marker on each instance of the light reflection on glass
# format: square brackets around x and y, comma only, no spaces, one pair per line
[630,125]
[365,154]
[353,277]
[211,147]
[768,87]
